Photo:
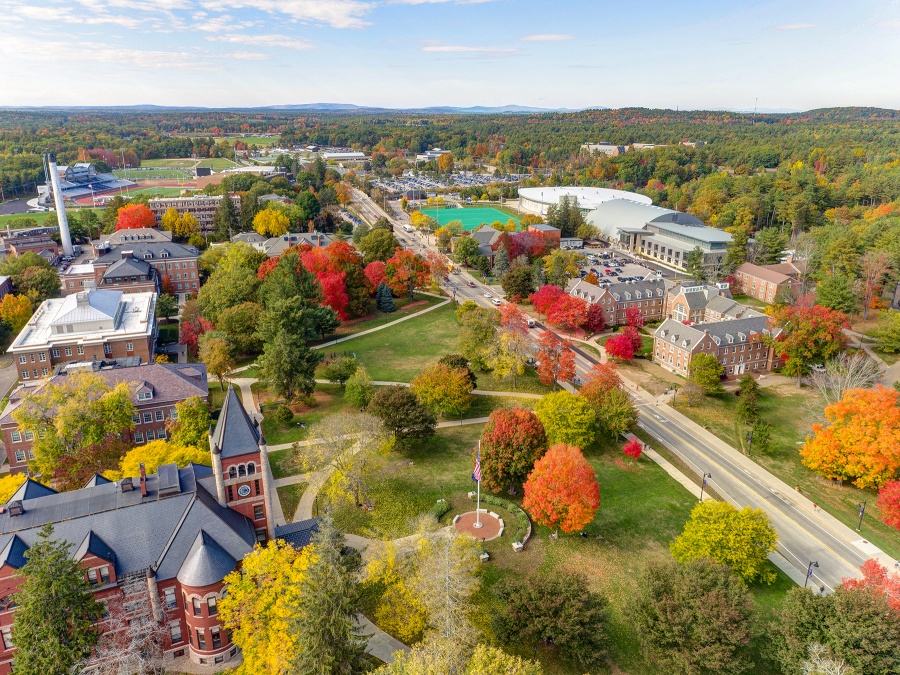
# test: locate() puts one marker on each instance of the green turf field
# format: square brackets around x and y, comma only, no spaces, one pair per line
[471,218]
[169,163]
[252,140]
[216,164]
[160,191]
[157,173]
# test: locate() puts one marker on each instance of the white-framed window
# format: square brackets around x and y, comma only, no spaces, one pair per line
[161,434]
[170,600]
[56,352]
[45,372]
[31,356]
[80,349]
[107,349]
[24,374]
[150,435]
[28,436]
[129,346]
[23,358]
[144,395]
[68,351]
[159,415]
[138,436]
[148,418]
[173,413]
[6,634]
[175,633]
[20,456]
[16,436]
[136,419]
[42,356]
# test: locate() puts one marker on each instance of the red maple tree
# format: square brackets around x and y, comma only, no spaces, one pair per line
[545,296]
[601,380]
[511,442]
[889,503]
[562,491]
[263,270]
[191,331]
[375,275]
[330,277]
[567,313]
[134,216]
[633,448]
[594,319]
[620,347]
[556,360]
[513,319]
[878,580]
[405,272]
[634,335]
[634,317]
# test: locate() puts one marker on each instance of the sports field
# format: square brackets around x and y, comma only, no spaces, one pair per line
[471,218]
[156,174]
[158,191]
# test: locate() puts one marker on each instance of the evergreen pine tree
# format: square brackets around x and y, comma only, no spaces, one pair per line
[835,291]
[325,614]
[737,249]
[748,403]
[501,262]
[384,299]
[249,209]
[225,219]
[696,267]
[54,624]
[538,275]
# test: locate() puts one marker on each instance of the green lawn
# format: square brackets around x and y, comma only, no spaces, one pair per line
[329,400]
[156,191]
[169,163]
[252,140]
[471,217]
[791,412]
[151,175]
[216,164]
[749,301]
[378,318]
[168,332]
[290,495]
[889,359]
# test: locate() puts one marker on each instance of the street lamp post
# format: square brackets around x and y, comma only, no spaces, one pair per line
[749,442]
[862,511]
[809,572]
[674,394]
[706,476]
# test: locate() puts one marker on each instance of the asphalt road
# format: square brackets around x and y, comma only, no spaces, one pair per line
[805,535]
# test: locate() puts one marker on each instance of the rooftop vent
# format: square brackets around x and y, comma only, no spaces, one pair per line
[127,485]
[15,508]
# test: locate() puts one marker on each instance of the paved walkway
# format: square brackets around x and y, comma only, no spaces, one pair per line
[891,373]
[380,645]
[387,325]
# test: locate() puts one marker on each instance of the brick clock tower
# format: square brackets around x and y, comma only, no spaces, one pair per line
[241,466]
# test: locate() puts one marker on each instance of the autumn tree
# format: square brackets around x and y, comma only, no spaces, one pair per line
[556,360]
[512,318]
[567,418]
[511,442]
[861,441]
[445,163]
[405,272]
[262,595]
[619,348]
[443,390]
[567,313]
[73,471]
[492,661]
[239,323]
[874,266]
[594,318]
[807,336]
[271,223]
[478,328]
[134,216]
[888,503]
[215,352]
[509,354]
[886,333]
[399,610]
[740,539]
[634,317]
[339,370]
[74,414]
[706,371]
[54,622]
[189,426]
[603,391]
[375,276]
[556,609]
[694,617]
[633,448]
[545,297]
[9,484]
[156,453]
[402,413]
[562,490]
[16,311]
[460,362]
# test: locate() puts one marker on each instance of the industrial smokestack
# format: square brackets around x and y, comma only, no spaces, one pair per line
[64,235]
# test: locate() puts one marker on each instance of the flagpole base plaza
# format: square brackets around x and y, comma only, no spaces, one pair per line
[482,525]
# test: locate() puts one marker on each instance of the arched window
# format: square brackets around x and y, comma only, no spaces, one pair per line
[242,470]
[251,469]
[232,472]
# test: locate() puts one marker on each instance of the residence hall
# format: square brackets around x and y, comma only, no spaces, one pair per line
[170,537]
[202,207]
[765,282]
[91,325]
[156,389]
[648,295]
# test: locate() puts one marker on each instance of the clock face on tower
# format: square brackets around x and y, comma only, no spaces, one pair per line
[244,491]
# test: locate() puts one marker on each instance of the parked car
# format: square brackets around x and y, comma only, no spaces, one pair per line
[470,284]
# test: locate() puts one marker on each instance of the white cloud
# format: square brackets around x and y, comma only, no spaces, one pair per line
[797,26]
[547,37]
[285,41]
[248,56]
[466,49]
[334,13]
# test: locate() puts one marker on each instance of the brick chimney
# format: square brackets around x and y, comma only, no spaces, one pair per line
[143,480]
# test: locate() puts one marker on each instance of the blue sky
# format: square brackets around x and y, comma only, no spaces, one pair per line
[411,53]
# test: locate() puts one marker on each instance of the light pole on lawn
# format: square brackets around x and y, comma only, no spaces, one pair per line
[706,476]
[809,572]
[862,511]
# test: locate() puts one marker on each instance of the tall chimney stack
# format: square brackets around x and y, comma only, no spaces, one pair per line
[64,235]
[143,480]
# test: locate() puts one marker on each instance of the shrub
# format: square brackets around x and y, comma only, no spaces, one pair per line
[282,414]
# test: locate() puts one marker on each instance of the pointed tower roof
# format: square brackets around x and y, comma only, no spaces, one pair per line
[30,489]
[207,563]
[235,433]
[96,480]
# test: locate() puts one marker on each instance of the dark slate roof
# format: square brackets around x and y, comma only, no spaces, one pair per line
[30,489]
[235,433]
[127,267]
[543,227]
[97,480]
[148,250]
[486,236]
[13,554]
[723,333]
[95,545]
[298,534]
[207,562]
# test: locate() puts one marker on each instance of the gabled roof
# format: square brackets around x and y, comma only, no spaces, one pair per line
[150,249]
[13,554]
[127,267]
[207,563]
[94,544]
[765,273]
[235,433]
[30,489]
[97,480]
[101,305]
[298,534]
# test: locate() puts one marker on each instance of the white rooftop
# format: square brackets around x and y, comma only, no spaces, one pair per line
[588,197]
[81,268]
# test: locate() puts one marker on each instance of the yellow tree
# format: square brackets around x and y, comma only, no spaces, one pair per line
[9,484]
[445,163]
[153,455]
[271,223]
[15,310]
[508,354]
[259,607]
[344,193]
[400,611]
[170,219]
[443,389]
[187,226]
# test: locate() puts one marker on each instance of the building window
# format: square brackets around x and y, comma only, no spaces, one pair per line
[42,356]
[213,607]
[93,577]
[24,374]
[195,602]
[23,358]
[31,356]
[6,634]
[104,574]
[161,434]
[261,534]
[129,346]
[16,436]
[138,436]
[148,418]
[68,351]
[256,484]
[29,436]
[34,372]
[169,594]
[230,493]
[251,469]
[258,512]
[232,472]
[107,349]
[80,349]
[45,372]
[145,395]
[20,456]
[201,639]
[175,633]
[159,416]
[173,414]
[216,638]
[136,419]
[150,435]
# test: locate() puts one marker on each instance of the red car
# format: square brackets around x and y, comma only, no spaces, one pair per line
[470,283]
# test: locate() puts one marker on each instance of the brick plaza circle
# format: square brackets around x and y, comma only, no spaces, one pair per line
[490,525]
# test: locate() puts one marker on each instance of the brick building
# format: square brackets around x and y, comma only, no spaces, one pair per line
[648,295]
[90,325]
[765,283]
[178,533]
[156,389]
[145,235]
[202,207]
[38,241]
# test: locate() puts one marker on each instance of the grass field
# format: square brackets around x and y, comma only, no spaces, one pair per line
[160,191]
[289,496]
[252,140]
[169,163]
[37,217]
[403,307]
[216,164]
[471,217]
[791,412]
[329,400]
[151,175]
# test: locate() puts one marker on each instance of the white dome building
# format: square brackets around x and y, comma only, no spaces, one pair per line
[537,200]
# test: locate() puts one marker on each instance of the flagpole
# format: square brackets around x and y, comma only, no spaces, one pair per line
[478,524]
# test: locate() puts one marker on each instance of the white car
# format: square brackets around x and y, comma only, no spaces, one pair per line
[488,295]
[496,301]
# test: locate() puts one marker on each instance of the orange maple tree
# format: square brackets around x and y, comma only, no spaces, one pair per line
[861,441]
[133,216]
[512,318]
[511,442]
[556,360]
[889,503]
[602,379]
[562,491]
[876,579]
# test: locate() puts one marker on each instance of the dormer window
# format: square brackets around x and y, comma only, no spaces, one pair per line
[144,395]
[148,256]
[730,338]
[164,254]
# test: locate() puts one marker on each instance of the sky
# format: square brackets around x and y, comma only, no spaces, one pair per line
[693,54]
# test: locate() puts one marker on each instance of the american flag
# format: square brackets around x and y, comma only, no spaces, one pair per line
[476,474]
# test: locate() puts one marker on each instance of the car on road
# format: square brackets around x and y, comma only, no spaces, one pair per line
[470,284]
[488,295]
[531,322]
[497,301]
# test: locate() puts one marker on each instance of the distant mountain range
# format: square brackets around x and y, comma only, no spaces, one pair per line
[327,107]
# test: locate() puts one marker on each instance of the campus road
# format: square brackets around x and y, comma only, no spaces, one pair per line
[805,533]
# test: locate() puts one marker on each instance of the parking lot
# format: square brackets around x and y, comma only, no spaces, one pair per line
[424,183]
[621,268]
